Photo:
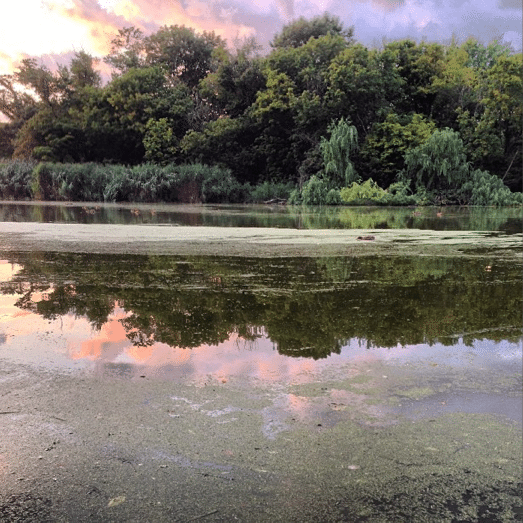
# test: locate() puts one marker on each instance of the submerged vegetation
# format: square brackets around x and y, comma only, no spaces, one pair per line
[320,119]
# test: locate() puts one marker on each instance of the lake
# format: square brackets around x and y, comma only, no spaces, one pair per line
[260,363]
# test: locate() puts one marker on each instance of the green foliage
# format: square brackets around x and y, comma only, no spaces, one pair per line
[415,66]
[485,189]
[480,56]
[80,182]
[362,193]
[232,88]
[42,182]
[384,149]
[439,165]
[315,191]
[398,194]
[299,32]
[219,186]
[15,179]
[177,96]
[492,128]
[363,86]
[337,152]
[333,197]
[295,197]
[117,183]
[225,142]
[182,53]
[127,50]
[159,141]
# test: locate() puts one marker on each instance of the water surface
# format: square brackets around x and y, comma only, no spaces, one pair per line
[507,219]
[383,386]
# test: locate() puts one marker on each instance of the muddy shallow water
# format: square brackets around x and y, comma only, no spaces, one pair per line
[259,374]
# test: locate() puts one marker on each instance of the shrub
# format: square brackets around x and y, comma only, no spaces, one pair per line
[397,194]
[364,193]
[295,197]
[219,186]
[333,197]
[315,191]
[438,165]
[81,182]
[484,188]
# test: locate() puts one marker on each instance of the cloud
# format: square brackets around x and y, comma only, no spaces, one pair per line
[54,27]
[100,24]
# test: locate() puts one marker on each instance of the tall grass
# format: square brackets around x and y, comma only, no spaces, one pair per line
[147,183]
[15,179]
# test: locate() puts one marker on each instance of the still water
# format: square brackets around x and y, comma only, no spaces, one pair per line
[424,349]
[508,219]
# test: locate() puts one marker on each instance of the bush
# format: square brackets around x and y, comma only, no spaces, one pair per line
[438,165]
[333,197]
[81,182]
[486,189]
[295,197]
[397,194]
[362,194]
[315,191]
[219,186]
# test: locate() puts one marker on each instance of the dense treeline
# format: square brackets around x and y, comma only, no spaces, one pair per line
[431,122]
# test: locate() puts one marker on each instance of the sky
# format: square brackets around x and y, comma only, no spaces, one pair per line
[52,30]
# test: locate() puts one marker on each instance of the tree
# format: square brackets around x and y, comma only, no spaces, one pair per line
[416,65]
[492,128]
[159,141]
[484,57]
[127,50]
[453,87]
[308,64]
[182,53]
[362,86]
[233,87]
[438,166]
[15,104]
[44,127]
[299,32]
[337,154]
[128,103]
[383,152]
[82,71]
[228,142]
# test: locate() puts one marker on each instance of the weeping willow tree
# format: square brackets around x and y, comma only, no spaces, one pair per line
[337,152]
[438,165]
[439,169]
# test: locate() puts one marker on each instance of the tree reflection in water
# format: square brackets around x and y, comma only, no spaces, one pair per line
[308,307]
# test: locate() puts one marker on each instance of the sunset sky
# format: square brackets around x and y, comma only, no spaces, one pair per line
[52,29]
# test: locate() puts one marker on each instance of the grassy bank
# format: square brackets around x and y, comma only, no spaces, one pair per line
[198,183]
[147,183]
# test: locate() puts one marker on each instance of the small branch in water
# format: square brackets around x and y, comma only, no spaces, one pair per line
[511,162]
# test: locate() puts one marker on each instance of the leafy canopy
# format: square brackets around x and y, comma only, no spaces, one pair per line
[301,31]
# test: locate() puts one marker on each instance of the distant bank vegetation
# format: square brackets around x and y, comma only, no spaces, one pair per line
[320,119]
[197,183]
